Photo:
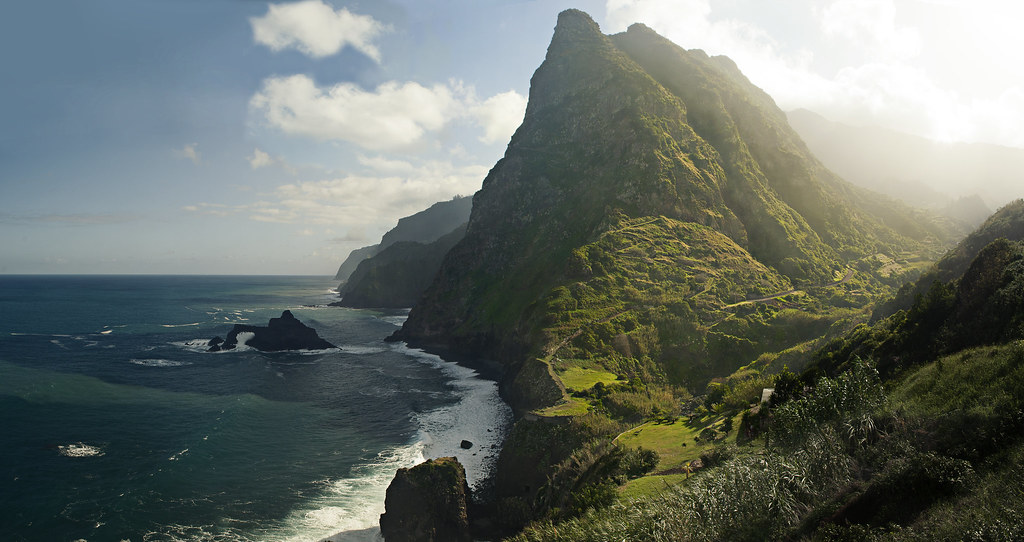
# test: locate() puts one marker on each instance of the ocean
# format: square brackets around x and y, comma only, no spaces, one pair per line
[118,425]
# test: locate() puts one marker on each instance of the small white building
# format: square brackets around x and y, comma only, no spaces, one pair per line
[766,394]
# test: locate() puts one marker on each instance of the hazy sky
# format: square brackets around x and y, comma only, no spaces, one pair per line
[232,136]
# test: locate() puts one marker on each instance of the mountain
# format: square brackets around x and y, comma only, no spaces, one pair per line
[425,227]
[654,224]
[637,158]
[353,260]
[1007,223]
[397,276]
[916,170]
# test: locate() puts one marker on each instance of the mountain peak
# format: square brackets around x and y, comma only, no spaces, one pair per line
[574,20]
[574,29]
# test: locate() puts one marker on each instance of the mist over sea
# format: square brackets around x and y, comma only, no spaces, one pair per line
[118,425]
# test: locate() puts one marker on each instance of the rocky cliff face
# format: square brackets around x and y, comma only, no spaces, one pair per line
[397,276]
[353,260]
[427,503]
[424,227]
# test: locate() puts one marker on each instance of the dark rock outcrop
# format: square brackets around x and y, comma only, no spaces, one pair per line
[427,503]
[284,333]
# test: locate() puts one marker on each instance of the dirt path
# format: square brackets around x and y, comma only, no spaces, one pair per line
[580,329]
[846,278]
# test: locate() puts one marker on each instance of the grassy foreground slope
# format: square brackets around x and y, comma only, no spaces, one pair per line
[936,455]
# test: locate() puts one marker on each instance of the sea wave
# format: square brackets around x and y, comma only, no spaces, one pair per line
[362,349]
[480,416]
[203,345]
[194,345]
[156,362]
[351,507]
[79,449]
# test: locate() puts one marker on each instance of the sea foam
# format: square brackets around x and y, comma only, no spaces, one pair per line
[79,449]
[480,416]
[159,362]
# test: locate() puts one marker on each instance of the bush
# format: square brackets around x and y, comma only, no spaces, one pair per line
[638,462]
[598,495]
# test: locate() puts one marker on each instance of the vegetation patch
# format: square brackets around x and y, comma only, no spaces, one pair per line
[580,378]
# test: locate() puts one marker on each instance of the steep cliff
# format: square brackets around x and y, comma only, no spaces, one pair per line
[397,276]
[424,227]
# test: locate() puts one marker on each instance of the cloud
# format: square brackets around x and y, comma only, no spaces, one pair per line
[213,209]
[394,116]
[368,200]
[934,68]
[381,164]
[391,117]
[500,115]
[316,29]
[373,200]
[259,159]
[352,236]
[872,25]
[189,151]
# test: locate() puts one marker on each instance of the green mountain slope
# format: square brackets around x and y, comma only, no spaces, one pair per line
[1007,222]
[930,448]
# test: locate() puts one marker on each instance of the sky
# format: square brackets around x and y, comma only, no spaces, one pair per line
[254,137]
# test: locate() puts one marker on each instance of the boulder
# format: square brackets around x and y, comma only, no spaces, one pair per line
[284,333]
[466,445]
[427,503]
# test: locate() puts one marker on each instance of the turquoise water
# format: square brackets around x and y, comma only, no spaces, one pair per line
[118,425]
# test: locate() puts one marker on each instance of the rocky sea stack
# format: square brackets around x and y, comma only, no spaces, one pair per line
[284,333]
[427,503]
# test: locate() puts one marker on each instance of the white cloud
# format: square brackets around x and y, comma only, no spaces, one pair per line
[871,24]
[316,29]
[212,209]
[189,152]
[500,115]
[374,200]
[381,164]
[391,117]
[934,68]
[259,159]
[368,200]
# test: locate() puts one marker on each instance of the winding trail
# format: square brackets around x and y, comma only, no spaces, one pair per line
[846,278]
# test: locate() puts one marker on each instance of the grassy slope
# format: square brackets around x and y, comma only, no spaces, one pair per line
[946,462]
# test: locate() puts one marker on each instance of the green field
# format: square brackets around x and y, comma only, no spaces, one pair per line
[581,379]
